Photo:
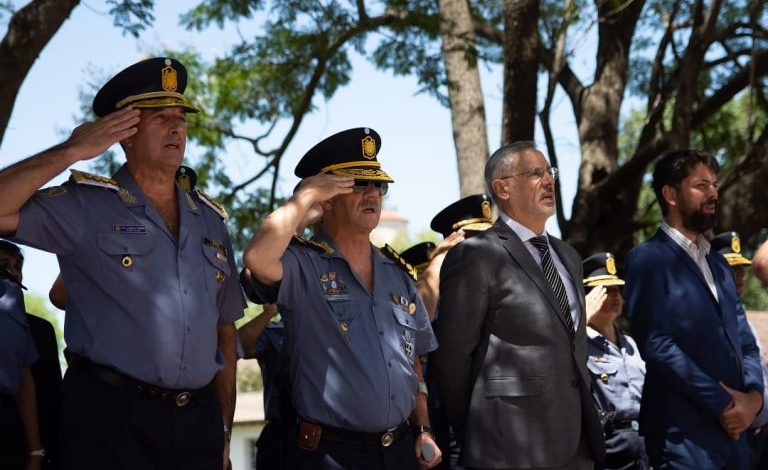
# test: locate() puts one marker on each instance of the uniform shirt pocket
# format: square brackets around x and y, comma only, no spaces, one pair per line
[406,325]
[217,268]
[123,255]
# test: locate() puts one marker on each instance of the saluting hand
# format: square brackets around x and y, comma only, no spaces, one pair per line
[449,242]
[594,300]
[323,187]
[92,138]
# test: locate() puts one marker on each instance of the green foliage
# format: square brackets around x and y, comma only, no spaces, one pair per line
[132,16]
[727,132]
[249,378]
[755,293]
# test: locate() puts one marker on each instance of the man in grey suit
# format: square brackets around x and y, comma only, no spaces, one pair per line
[512,357]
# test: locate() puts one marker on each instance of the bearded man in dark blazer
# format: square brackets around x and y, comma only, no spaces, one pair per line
[512,357]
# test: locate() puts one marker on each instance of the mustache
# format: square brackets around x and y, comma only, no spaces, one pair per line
[369,204]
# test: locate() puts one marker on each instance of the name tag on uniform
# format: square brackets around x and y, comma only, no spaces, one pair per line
[129,228]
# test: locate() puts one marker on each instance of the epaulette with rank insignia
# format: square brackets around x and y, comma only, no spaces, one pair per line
[81,177]
[320,246]
[392,254]
[212,203]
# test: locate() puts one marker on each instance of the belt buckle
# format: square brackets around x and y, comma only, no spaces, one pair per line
[387,439]
[183,399]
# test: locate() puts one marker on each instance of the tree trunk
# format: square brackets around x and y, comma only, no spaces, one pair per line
[743,198]
[464,94]
[597,109]
[521,66]
[29,30]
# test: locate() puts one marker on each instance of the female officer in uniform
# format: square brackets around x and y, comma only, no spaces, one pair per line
[615,366]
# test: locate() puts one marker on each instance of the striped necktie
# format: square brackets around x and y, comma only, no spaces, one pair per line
[553,279]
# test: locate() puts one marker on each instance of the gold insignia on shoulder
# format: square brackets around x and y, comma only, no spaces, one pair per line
[392,254]
[53,191]
[184,182]
[212,203]
[169,80]
[81,177]
[735,243]
[126,196]
[319,245]
[190,201]
[487,212]
[610,265]
[369,147]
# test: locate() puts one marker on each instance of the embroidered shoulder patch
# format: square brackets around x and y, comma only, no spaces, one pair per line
[392,254]
[81,177]
[212,203]
[321,246]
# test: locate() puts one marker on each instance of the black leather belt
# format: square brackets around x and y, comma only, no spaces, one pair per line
[123,382]
[384,438]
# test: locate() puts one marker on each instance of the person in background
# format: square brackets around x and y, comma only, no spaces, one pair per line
[615,366]
[20,444]
[46,371]
[728,244]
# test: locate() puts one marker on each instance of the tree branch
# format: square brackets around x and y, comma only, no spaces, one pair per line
[730,89]
[29,30]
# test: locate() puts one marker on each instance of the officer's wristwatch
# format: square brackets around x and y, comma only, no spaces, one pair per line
[422,388]
[421,428]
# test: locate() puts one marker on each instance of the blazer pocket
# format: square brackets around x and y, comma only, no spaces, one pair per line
[514,387]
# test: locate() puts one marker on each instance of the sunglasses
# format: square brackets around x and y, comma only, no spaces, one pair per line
[361,186]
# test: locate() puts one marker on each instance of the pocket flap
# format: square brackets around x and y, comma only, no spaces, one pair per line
[120,244]
[404,318]
[602,367]
[514,387]
[217,258]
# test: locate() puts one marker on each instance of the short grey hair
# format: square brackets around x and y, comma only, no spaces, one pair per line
[502,161]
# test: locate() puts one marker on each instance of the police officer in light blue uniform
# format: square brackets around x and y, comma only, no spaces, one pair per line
[354,323]
[152,290]
[615,366]
[18,417]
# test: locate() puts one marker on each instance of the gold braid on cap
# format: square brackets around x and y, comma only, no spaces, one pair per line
[157,99]
[464,222]
[356,164]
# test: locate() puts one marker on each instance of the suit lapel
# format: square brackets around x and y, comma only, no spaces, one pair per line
[686,260]
[520,254]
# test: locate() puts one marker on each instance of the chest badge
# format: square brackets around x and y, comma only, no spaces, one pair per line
[220,276]
[408,343]
[404,304]
[334,287]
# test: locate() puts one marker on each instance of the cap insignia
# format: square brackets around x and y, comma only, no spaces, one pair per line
[610,265]
[486,206]
[735,244]
[170,83]
[369,147]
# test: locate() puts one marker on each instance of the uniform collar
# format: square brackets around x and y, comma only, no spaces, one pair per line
[132,195]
